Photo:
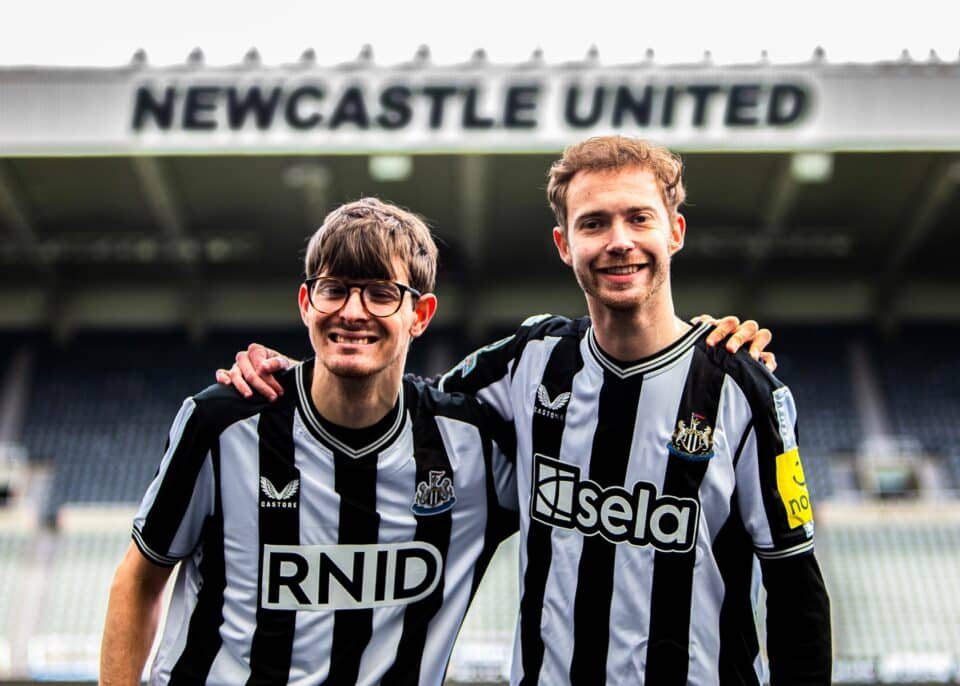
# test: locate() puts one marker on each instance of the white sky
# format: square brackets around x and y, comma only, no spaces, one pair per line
[107,32]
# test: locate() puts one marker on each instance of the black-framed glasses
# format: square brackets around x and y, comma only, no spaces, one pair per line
[380,298]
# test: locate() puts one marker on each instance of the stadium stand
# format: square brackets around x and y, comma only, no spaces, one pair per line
[813,362]
[918,369]
[78,582]
[101,407]
[14,547]
[893,582]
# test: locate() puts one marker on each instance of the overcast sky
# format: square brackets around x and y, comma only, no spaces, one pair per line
[105,32]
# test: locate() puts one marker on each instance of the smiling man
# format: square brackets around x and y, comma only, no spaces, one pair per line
[337,535]
[659,478]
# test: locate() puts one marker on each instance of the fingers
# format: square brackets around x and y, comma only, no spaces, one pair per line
[759,343]
[233,377]
[769,361]
[724,327]
[745,333]
[703,319]
[258,375]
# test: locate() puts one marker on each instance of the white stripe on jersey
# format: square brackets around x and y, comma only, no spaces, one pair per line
[397,524]
[567,545]
[633,578]
[241,499]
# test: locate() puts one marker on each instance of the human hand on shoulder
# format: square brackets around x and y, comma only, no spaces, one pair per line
[254,370]
[741,333]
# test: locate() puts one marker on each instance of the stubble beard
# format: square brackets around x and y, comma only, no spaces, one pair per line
[629,300]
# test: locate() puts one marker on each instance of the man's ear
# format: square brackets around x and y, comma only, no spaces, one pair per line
[563,247]
[303,300]
[678,230]
[424,310]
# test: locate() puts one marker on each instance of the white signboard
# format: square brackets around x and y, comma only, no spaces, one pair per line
[433,109]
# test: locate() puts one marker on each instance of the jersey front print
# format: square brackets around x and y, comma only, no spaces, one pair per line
[647,491]
[313,554]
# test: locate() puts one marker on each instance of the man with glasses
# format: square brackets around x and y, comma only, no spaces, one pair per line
[337,535]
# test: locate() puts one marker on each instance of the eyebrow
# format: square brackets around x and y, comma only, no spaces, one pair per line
[603,214]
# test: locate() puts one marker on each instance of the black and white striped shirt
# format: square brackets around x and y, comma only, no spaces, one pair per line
[648,491]
[313,554]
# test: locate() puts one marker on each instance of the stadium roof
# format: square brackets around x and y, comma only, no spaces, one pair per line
[845,212]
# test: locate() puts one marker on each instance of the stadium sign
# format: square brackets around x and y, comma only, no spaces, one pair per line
[462,109]
[310,106]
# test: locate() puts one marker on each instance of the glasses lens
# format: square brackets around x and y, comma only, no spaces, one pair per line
[328,295]
[382,298]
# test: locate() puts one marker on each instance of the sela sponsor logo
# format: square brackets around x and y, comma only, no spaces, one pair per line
[639,517]
[552,409]
[281,498]
[692,442]
[347,577]
[434,496]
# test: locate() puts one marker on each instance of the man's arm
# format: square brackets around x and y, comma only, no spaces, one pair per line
[254,368]
[798,621]
[133,613]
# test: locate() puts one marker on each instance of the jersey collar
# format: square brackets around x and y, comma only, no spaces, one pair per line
[664,358]
[319,426]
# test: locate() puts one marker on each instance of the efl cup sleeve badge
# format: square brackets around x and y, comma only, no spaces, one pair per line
[435,495]
[693,442]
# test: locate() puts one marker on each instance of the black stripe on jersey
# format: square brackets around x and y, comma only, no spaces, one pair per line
[430,455]
[355,481]
[272,646]
[203,635]
[547,431]
[671,595]
[610,455]
[501,522]
[215,408]
[739,645]
[758,386]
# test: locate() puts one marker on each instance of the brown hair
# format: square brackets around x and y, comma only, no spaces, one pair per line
[615,152]
[361,238]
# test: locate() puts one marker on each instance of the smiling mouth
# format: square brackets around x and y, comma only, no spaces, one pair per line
[352,340]
[622,270]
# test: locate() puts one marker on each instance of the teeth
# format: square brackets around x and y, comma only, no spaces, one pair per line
[337,338]
[622,270]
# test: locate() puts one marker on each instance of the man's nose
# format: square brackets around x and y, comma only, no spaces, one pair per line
[619,237]
[353,306]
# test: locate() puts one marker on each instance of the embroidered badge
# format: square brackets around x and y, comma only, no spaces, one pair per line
[434,496]
[281,498]
[692,442]
[552,408]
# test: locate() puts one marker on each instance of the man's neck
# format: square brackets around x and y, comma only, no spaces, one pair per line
[353,402]
[634,334]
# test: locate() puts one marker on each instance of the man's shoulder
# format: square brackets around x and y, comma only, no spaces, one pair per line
[219,406]
[541,326]
[753,378]
[425,400]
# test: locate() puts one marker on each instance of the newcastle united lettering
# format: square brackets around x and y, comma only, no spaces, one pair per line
[470,107]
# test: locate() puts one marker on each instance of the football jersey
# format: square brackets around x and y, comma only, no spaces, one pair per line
[314,554]
[647,492]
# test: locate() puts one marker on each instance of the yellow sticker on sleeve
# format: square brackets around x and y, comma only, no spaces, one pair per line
[792,486]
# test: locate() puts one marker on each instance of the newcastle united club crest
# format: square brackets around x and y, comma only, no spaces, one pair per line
[693,442]
[435,496]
